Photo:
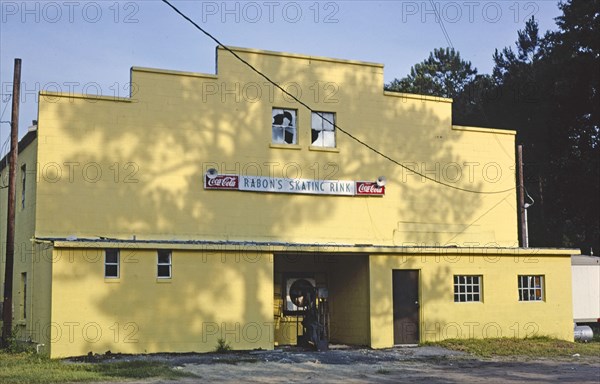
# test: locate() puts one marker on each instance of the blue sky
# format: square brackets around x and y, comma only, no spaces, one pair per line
[89,46]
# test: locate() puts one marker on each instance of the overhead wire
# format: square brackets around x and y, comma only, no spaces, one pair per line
[320,115]
[449,41]
[5,144]
[4,110]
[2,149]
[442,26]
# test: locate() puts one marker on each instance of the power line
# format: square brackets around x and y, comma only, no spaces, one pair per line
[2,148]
[4,110]
[4,122]
[442,26]
[320,115]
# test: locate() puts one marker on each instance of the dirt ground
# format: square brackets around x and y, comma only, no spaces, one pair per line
[354,365]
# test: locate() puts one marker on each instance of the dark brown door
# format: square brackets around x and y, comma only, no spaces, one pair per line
[406,306]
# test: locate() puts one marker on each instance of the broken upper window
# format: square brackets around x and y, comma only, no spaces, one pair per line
[284,126]
[323,129]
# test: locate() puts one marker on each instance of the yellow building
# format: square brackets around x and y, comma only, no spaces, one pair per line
[178,216]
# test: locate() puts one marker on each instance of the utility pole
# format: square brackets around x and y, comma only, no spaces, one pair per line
[7,311]
[522,208]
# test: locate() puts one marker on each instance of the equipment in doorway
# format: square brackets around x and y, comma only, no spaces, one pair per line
[309,303]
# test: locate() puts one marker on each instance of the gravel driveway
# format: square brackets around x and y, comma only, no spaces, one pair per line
[359,365]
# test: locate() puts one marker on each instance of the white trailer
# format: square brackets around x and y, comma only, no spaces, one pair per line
[586,288]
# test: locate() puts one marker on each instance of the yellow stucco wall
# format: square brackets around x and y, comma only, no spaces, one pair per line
[31,306]
[211,295]
[500,314]
[133,168]
[120,167]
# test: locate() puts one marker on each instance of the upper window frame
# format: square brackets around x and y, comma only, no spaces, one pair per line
[292,126]
[326,119]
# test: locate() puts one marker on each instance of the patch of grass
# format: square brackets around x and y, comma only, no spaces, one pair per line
[27,368]
[534,347]
[382,371]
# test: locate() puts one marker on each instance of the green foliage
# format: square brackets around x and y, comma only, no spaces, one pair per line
[548,89]
[29,368]
[551,87]
[13,345]
[444,74]
[222,346]
[534,347]
[529,51]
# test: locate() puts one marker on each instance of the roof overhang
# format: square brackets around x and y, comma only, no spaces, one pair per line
[283,247]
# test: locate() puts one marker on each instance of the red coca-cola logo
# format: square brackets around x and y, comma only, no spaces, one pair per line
[222,182]
[369,188]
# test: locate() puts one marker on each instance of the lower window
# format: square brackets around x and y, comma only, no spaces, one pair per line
[111,263]
[467,288]
[164,264]
[531,287]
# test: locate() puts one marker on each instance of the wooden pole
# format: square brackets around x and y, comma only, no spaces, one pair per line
[522,213]
[7,310]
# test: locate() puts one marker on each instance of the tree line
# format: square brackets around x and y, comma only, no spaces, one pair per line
[547,88]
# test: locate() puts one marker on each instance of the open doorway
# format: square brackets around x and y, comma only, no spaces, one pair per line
[343,278]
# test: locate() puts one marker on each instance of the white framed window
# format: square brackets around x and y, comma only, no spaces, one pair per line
[467,288]
[531,287]
[323,129]
[163,270]
[284,126]
[111,263]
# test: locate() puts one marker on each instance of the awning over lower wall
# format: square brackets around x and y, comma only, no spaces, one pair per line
[280,247]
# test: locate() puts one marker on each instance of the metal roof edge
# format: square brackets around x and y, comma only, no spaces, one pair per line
[281,247]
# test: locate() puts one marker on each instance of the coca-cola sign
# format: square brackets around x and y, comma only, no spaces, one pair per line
[263,184]
[369,188]
[222,182]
